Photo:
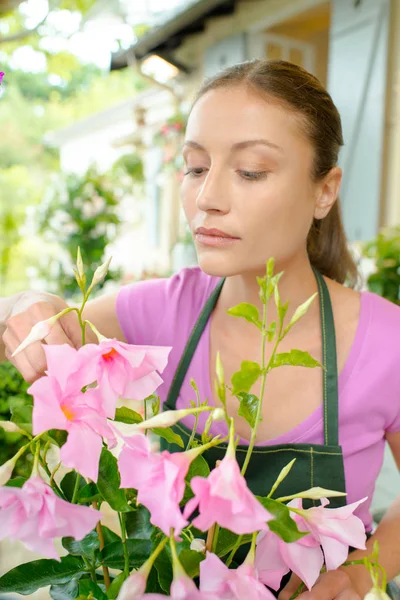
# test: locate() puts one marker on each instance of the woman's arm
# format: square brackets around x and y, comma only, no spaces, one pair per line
[387,534]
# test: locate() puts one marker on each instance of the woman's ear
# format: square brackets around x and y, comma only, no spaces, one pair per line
[328,192]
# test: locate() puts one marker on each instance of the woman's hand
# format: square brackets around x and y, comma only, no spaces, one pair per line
[329,586]
[19,314]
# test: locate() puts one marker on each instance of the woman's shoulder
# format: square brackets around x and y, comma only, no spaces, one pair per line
[146,308]
[383,318]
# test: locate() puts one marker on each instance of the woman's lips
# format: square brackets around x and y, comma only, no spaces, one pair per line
[214,237]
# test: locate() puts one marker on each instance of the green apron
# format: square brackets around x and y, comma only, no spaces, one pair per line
[316,465]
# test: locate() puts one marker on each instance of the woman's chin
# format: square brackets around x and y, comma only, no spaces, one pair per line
[218,266]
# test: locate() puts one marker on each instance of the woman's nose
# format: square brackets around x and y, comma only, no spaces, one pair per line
[213,193]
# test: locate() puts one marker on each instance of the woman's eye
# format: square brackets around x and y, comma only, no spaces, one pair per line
[253,175]
[195,171]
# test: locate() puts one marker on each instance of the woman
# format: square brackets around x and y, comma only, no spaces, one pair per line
[261,180]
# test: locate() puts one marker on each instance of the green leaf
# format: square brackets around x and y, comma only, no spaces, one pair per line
[163,566]
[68,484]
[88,588]
[115,586]
[88,494]
[299,312]
[153,585]
[29,577]
[295,358]
[283,524]
[190,560]
[86,547]
[198,467]
[227,540]
[248,407]
[169,435]
[16,482]
[246,311]
[112,555]
[109,482]
[244,379]
[22,416]
[138,524]
[271,331]
[127,415]
[65,591]
[109,536]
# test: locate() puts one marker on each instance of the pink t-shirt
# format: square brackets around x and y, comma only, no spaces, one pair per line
[163,312]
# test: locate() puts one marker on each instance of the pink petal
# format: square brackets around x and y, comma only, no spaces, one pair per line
[74,520]
[269,562]
[213,574]
[82,451]
[335,552]
[143,387]
[305,562]
[47,413]
[62,361]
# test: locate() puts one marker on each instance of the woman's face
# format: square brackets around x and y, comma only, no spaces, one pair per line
[247,192]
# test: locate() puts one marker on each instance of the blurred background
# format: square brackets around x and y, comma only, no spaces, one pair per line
[93,106]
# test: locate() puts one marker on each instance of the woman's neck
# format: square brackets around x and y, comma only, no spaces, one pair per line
[296,285]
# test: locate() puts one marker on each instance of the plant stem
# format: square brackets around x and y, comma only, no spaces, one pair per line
[196,417]
[234,550]
[53,483]
[91,569]
[106,574]
[210,537]
[121,518]
[76,488]
[260,402]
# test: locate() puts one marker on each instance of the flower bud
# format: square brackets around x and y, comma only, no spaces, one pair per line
[170,417]
[133,587]
[218,414]
[100,273]
[198,545]
[11,427]
[376,594]
[37,333]
[6,470]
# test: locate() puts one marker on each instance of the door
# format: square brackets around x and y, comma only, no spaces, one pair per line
[357,79]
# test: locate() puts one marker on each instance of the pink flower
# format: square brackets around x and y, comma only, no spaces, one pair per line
[275,558]
[182,588]
[159,479]
[334,529]
[224,498]
[60,404]
[1,77]
[122,370]
[231,584]
[35,515]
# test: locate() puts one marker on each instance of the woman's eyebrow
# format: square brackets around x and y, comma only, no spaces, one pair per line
[238,145]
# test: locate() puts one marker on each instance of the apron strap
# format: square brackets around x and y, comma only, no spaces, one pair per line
[191,346]
[329,361]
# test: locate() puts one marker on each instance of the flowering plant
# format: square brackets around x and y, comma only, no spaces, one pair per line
[180,524]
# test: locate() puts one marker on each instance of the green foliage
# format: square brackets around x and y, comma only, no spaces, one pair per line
[81,211]
[13,396]
[385,251]
[29,577]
